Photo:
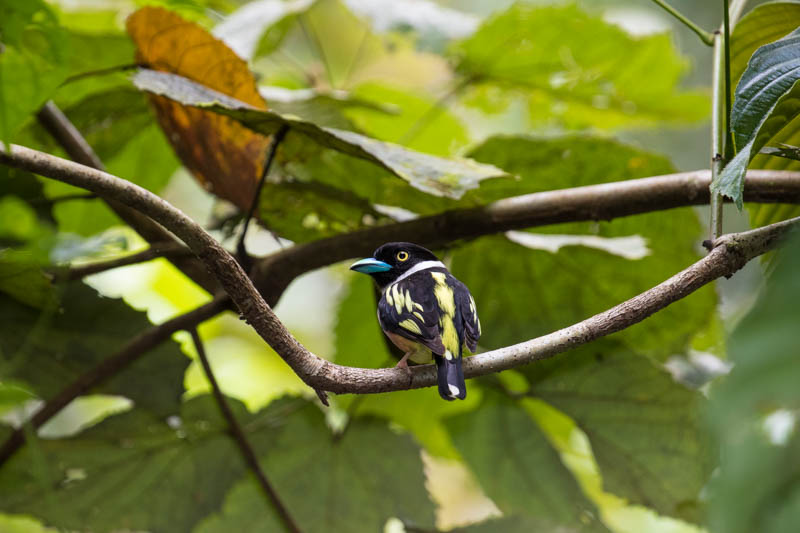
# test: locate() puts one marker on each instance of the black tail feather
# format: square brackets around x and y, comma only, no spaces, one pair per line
[450,377]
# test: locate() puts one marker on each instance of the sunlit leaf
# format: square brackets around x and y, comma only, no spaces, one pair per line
[518,468]
[758,482]
[421,123]
[244,29]
[645,429]
[32,61]
[767,99]
[364,476]
[577,71]
[49,349]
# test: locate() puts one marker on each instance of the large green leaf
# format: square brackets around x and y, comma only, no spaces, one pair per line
[765,24]
[767,99]
[577,71]
[645,429]
[518,468]
[22,278]
[523,293]
[421,123]
[32,62]
[51,349]
[332,483]
[135,471]
[431,174]
[758,483]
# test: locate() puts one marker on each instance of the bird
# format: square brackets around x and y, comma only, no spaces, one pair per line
[424,310]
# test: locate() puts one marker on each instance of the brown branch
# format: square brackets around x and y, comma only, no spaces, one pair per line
[248,454]
[593,202]
[67,135]
[109,367]
[166,250]
[729,254]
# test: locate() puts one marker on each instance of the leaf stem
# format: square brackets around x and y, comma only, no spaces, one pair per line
[726,32]
[236,431]
[705,36]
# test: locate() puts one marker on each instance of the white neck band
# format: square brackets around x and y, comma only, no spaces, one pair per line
[425,265]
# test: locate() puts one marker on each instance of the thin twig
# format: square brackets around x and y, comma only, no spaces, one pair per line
[728,255]
[718,132]
[241,250]
[166,250]
[248,454]
[705,36]
[131,352]
[726,35]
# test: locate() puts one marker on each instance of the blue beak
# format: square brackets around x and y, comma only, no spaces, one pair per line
[370,266]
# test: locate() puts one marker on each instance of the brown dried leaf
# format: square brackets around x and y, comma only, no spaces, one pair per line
[223,155]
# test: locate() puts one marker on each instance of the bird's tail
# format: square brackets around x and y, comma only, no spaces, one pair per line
[450,377]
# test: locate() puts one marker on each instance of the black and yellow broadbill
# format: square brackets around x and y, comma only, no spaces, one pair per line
[424,310]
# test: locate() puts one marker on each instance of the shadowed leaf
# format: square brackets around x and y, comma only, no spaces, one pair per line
[644,428]
[50,349]
[518,468]
[364,476]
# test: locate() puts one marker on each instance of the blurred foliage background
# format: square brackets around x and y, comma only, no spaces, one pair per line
[618,435]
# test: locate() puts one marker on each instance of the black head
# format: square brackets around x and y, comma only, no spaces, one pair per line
[392,260]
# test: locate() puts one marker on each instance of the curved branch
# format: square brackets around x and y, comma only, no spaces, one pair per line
[728,255]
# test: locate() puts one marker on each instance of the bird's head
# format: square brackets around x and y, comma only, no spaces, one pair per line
[394,259]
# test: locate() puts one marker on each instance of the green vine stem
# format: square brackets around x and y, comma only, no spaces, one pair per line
[705,36]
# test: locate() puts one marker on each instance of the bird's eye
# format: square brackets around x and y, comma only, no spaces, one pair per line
[402,255]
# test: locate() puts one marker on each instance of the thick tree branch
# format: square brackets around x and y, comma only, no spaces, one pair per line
[166,250]
[67,135]
[593,202]
[728,255]
[238,435]
[131,352]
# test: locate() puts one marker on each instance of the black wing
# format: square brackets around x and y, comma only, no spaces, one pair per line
[408,308]
[469,315]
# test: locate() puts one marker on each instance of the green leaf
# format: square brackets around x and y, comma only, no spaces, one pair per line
[22,278]
[523,524]
[136,471]
[645,429]
[522,293]
[422,123]
[259,27]
[518,468]
[577,71]
[32,61]
[430,174]
[762,25]
[357,479]
[49,350]
[767,99]
[758,482]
